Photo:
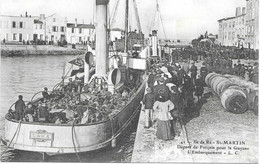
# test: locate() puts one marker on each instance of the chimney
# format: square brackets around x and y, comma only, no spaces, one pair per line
[42,16]
[238,11]
[243,10]
[76,22]
[26,14]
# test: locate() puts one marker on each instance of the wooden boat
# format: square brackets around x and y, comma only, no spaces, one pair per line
[64,138]
[74,138]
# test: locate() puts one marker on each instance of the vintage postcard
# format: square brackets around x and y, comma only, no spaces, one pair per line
[129,81]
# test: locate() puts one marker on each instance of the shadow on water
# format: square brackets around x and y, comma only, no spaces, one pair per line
[121,153]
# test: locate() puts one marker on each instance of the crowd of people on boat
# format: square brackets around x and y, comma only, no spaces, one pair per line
[67,105]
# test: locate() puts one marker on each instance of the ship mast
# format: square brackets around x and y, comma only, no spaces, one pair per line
[126,26]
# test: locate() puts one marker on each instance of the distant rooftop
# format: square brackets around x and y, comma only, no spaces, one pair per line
[72,25]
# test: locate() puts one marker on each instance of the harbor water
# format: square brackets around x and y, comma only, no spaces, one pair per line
[29,75]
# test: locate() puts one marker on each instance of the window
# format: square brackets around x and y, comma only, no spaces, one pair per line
[14,36]
[36,26]
[80,30]
[55,28]
[62,29]
[233,35]
[14,24]
[21,24]
[72,30]
[80,39]
[54,19]
[41,37]
[41,26]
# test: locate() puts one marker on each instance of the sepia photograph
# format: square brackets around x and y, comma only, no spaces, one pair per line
[129,81]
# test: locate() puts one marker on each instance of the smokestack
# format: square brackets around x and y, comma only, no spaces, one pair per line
[26,14]
[76,22]
[101,37]
[238,11]
[243,10]
[154,42]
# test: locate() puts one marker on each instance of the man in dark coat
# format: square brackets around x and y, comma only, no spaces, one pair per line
[187,90]
[193,70]
[148,102]
[161,89]
[45,93]
[199,89]
[151,79]
[203,73]
[19,108]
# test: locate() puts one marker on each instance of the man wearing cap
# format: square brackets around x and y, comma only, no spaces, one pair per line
[193,70]
[45,93]
[203,72]
[148,101]
[19,108]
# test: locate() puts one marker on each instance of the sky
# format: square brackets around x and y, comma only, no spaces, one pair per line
[182,19]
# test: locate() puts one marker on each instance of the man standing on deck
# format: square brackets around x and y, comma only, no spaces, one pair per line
[19,108]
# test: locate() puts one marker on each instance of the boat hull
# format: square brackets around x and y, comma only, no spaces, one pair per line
[64,138]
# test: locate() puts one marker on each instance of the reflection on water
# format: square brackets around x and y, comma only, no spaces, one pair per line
[28,75]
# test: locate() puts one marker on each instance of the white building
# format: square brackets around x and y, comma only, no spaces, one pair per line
[39,28]
[252,24]
[232,29]
[16,29]
[80,33]
[56,27]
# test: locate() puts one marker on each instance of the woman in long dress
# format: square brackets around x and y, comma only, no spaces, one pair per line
[162,108]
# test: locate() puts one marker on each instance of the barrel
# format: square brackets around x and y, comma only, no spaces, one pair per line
[220,84]
[223,86]
[252,95]
[208,76]
[212,79]
[234,100]
[243,89]
[215,82]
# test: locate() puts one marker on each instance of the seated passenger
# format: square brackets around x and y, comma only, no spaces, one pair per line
[42,114]
[45,93]
[28,112]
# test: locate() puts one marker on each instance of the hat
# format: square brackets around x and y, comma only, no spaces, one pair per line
[161,79]
[255,64]
[149,90]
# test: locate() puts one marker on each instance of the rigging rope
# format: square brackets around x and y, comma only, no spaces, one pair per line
[72,133]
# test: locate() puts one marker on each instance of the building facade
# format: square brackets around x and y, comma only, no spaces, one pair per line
[79,33]
[252,24]
[16,29]
[39,28]
[56,27]
[232,29]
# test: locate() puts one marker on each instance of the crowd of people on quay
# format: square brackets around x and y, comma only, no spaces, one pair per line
[66,105]
[219,59]
[169,95]
[173,83]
